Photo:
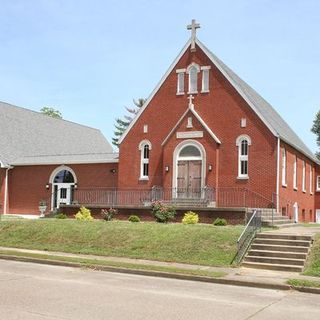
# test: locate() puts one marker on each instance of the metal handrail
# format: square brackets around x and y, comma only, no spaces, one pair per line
[247,235]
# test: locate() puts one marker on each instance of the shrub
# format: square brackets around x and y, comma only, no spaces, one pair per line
[162,212]
[60,216]
[108,214]
[84,214]
[190,218]
[220,222]
[134,218]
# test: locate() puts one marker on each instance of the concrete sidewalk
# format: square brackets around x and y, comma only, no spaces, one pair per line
[233,276]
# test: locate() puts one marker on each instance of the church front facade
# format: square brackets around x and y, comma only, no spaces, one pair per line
[204,136]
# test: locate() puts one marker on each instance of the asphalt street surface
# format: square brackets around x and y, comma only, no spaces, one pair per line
[34,291]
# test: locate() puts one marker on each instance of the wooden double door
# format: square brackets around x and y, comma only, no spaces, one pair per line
[189,179]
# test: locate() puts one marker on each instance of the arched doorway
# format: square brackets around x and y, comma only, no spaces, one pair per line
[63,180]
[189,175]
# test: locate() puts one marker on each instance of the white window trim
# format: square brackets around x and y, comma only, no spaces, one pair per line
[295,180]
[202,84]
[143,161]
[304,177]
[243,158]
[284,167]
[318,184]
[179,72]
[189,80]
[311,179]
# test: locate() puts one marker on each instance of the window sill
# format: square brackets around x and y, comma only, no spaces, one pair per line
[295,188]
[284,185]
[180,93]
[243,177]
[143,178]
[205,91]
[193,92]
[304,191]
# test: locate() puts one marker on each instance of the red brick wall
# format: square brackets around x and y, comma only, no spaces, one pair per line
[27,184]
[222,110]
[287,195]
[2,189]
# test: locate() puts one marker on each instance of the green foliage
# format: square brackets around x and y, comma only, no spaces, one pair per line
[316,130]
[51,112]
[313,261]
[134,218]
[304,283]
[190,218]
[122,124]
[162,212]
[60,216]
[84,214]
[220,222]
[108,214]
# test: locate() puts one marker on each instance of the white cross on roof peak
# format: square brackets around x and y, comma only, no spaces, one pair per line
[193,27]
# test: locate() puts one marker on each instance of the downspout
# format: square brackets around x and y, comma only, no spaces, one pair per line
[278,173]
[6,190]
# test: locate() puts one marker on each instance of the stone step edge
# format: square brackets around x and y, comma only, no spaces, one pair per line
[276,258]
[278,252]
[283,240]
[284,266]
[280,246]
[279,236]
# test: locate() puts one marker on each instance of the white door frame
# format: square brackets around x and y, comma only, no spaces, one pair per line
[296,212]
[68,187]
[317,215]
[176,158]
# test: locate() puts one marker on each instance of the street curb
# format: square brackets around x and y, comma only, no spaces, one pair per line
[307,289]
[159,274]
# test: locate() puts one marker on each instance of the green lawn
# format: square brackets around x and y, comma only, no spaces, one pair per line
[196,244]
[313,262]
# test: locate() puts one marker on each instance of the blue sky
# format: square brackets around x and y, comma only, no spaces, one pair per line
[89,59]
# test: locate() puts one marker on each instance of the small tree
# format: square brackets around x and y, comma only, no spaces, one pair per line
[122,124]
[316,130]
[51,112]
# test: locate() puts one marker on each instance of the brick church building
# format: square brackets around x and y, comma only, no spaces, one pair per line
[204,137]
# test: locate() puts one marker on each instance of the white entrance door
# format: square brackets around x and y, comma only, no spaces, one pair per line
[318,215]
[63,193]
[296,212]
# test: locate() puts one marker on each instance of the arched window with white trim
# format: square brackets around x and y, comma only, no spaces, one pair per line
[193,71]
[144,147]
[243,142]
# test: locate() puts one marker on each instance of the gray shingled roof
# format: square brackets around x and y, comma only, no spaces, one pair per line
[264,110]
[29,137]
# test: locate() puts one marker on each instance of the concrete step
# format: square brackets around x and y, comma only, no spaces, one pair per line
[276,222]
[281,248]
[288,225]
[271,235]
[283,242]
[275,260]
[275,218]
[269,266]
[278,254]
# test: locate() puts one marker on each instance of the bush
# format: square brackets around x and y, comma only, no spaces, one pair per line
[84,214]
[108,214]
[134,218]
[162,212]
[60,216]
[220,222]
[190,218]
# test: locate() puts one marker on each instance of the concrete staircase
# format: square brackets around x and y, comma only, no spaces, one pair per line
[276,251]
[277,220]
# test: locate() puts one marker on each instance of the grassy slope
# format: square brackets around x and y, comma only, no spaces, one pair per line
[195,244]
[313,262]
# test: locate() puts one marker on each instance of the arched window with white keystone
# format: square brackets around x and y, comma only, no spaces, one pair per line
[193,71]
[243,142]
[144,147]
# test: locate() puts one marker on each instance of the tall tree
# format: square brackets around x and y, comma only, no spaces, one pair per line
[51,112]
[316,130]
[122,124]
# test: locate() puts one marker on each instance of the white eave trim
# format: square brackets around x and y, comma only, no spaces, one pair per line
[205,126]
[155,90]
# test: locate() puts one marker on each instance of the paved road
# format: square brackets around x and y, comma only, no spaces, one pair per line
[32,291]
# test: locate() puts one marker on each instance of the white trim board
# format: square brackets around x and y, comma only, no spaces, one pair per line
[205,126]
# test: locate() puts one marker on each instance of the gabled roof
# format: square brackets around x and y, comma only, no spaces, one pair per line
[260,106]
[29,138]
[197,116]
